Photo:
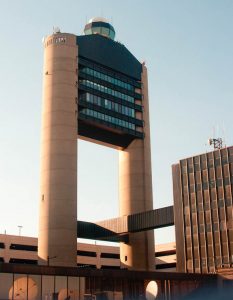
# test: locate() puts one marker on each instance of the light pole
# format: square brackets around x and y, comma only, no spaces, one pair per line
[50,257]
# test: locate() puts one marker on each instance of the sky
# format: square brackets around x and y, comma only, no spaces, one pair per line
[188,49]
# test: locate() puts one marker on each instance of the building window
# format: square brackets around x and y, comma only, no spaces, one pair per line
[231,159]
[110,267]
[23,261]
[217,162]
[224,161]
[109,119]
[205,186]
[226,181]
[110,255]
[203,162]
[107,104]
[86,253]
[107,78]
[106,90]
[210,163]
[23,247]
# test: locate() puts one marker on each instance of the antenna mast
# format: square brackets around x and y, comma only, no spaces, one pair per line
[217,143]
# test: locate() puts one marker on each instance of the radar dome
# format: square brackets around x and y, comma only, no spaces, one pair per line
[99,25]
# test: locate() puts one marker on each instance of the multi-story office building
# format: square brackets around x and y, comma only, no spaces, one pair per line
[94,89]
[202,188]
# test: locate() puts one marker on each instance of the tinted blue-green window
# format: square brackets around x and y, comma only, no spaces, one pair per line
[108,78]
[112,34]
[109,119]
[108,104]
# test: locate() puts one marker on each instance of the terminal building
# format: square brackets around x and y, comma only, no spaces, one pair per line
[23,250]
[202,187]
[96,90]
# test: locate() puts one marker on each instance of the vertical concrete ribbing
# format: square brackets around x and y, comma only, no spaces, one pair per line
[135,192]
[57,243]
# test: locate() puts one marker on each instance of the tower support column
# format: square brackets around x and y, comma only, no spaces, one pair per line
[57,242]
[135,192]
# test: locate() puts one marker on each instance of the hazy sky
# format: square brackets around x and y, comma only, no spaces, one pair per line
[188,49]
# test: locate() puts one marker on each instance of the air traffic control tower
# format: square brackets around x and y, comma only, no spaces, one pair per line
[96,90]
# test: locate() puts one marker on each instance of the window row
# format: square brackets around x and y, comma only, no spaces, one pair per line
[203,165]
[207,185]
[108,78]
[101,30]
[105,103]
[109,119]
[217,261]
[214,175]
[106,90]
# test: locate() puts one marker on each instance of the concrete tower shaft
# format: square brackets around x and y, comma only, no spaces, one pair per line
[135,192]
[58,199]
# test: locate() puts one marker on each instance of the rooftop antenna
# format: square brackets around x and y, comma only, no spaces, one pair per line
[56,30]
[214,132]
[224,135]
[216,143]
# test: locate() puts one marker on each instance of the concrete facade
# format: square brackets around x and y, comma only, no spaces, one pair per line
[22,249]
[58,197]
[203,202]
[135,192]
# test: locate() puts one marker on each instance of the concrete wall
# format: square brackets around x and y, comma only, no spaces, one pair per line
[58,196]
[98,261]
[135,192]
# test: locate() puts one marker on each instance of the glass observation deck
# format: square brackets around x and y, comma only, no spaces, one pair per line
[109,87]
[108,101]
[100,26]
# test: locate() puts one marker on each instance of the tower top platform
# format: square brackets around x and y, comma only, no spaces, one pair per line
[99,25]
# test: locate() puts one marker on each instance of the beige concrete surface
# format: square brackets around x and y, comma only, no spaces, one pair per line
[135,192]
[98,261]
[57,240]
